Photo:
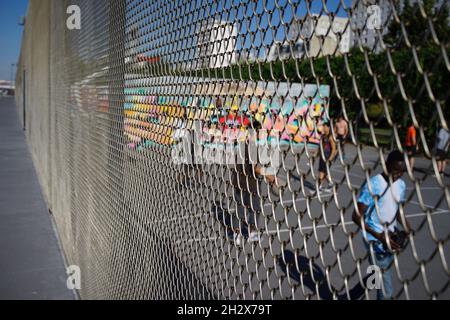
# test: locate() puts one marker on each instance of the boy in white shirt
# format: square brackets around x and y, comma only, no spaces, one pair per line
[377,215]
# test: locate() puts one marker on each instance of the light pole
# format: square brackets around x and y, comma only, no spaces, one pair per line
[12,73]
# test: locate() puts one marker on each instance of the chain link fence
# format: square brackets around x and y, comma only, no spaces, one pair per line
[239,149]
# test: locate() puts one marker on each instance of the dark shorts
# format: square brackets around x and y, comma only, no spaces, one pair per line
[323,164]
[340,138]
[441,155]
[411,151]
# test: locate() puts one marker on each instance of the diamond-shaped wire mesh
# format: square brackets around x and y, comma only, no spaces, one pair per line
[228,149]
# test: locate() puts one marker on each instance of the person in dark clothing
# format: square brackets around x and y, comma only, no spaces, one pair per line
[329,149]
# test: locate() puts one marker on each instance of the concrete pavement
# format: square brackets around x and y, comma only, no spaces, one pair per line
[31,260]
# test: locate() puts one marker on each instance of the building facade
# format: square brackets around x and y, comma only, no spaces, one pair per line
[216,44]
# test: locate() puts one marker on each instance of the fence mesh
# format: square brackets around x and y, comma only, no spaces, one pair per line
[230,149]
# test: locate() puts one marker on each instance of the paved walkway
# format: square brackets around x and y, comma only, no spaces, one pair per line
[31,262]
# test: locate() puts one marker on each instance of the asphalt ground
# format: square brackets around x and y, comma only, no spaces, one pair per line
[311,233]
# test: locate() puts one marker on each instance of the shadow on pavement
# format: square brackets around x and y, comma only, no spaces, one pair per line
[304,276]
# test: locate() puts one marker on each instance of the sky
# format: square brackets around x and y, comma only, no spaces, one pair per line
[10,34]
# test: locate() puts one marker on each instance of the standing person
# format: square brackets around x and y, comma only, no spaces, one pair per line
[341,129]
[183,148]
[243,175]
[377,215]
[411,144]
[442,146]
[330,151]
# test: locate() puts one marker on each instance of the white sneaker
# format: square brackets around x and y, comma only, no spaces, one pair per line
[254,237]
[238,239]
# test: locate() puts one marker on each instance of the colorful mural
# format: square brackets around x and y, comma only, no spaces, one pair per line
[288,113]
